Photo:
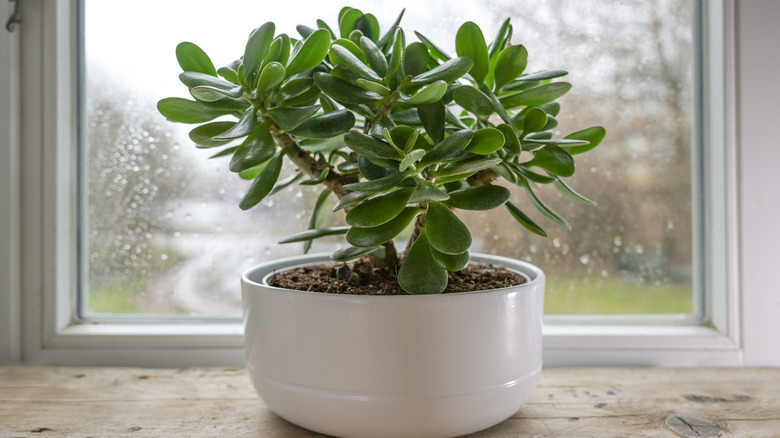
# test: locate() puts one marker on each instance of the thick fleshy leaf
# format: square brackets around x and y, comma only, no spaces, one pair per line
[470,42]
[293,88]
[262,186]
[274,52]
[321,178]
[473,100]
[326,125]
[465,166]
[411,158]
[351,198]
[311,53]
[376,59]
[484,197]
[420,274]
[428,94]
[349,45]
[193,58]
[511,141]
[369,146]
[501,40]
[287,182]
[258,148]
[289,117]
[379,184]
[207,93]
[543,75]
[350,253]
[387,37]
[415,59]
[256,48]
[536,96]
[543,208]
[368,25]
[318,215]
[594,135]
[344,92]
[304,30]
[195,79]
[524,220]
[554,160]
[315,234]
[367,237]
[181,110]
[448,148]
[379,210]
[355,65]
[451,262]
[433,118]
[246,124]
[486,141]
[272,75]
[535,119]
[372,86]
[446,232]
[571,194]
[521,171]
[447,72]
[203,134]
[348,18]
[396,53]
[225,152]
[510,64]
[434,50]
[427,191]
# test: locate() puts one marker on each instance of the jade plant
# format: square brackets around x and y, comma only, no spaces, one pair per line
[402,133]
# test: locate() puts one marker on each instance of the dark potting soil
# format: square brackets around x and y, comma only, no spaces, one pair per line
[361,277]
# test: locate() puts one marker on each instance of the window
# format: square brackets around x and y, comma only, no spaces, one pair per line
[46,194]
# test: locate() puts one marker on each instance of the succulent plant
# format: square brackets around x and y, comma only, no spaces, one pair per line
[402,133]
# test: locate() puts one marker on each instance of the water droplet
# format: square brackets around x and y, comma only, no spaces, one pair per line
[585,259]
[618,241]
[604,273]
[164,256]
[176,234]
[556,243]
[639,249]
[670,224]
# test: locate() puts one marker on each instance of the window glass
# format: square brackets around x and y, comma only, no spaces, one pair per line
[163,233]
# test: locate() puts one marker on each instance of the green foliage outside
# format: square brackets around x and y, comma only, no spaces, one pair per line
[402,134]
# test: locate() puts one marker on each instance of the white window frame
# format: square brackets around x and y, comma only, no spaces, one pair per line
[38,167]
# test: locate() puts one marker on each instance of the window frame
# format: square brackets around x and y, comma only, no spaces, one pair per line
[44,283]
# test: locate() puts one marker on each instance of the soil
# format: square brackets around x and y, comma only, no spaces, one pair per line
[361,277]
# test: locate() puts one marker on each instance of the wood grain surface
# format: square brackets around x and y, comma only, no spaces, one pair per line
[206,402]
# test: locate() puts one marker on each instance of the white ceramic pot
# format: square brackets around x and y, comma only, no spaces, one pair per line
[393,366]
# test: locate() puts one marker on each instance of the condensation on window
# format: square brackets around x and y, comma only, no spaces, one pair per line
[164,233]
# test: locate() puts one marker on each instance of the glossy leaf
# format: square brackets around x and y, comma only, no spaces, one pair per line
[262,186]
[448,148]
[318,215]
[326,125]
[293,88]
[272,75]
[376,59]
[554,160]
[351,198]
[396,53]
[289,117]
[536,96]
[470,42]
[256,48]
[420,274]
[543,208]
[415,60]
[315,234]
[355,65]
[510,64]
[379,210]
[378,185]
[543,75]
[427,191]
[287,182]
[193,58]
[372,86]
[451,262]
[181,110]
[350,253]
[344,92]
[535,119]
[258,148]
[486,141]
[474,101]
[428,94]
[410,159]
[432,117]
[447,72]
[594,135]
[348,20]
[369,146]
[501,40]
[390,34]
[368,25]
[446,232]
[465,166]
[311,53]
[511,141]
[349,45]
[485,197]
[246,124]
[434,50]
[367,237]
[207,93]
[571,194]
[203,134]
[524,220]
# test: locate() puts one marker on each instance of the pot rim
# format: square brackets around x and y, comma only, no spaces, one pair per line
[259,274]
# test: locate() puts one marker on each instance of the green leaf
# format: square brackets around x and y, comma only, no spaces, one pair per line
[571,194]
[225,152]
[256,48]
[382,43]
[315,234]
[511,141]
[543,75]
[351,198]
[311,53]
[323,25]
[486,141]
[510,64]
[554,160]
[262,186]
[372,86]
[348,20]
[379,210]
[470,42]
[369,146]
[342,91]
[433,118]
[594,135]
[203,134]
[355,65]
[350,253]
[451,262]
[369,26]
[446,232]
[525,173]
[427,191]
[287,182]
[193,58]
[415,59]
[447,72]
[484,197]
[434,50]
[207,93]
[420,274]
[274,52]
[534,120]
[318,215]
[246,124]
[536,96]
[396,54]
[326,125]
[465,166]
[379,184]
[525,220]
[448,148]
[368,237]
[294,88]
[304,30]
[323,176]
[474,101]
[410,159]
[428,94]
[289,117]
[258,148]
[502,38]
[347,44]
[181,110]
[543,208]
[272,75]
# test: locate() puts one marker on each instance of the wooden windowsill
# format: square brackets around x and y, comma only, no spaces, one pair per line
[569,402]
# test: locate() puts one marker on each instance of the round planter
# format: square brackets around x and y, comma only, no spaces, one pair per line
[393,366]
